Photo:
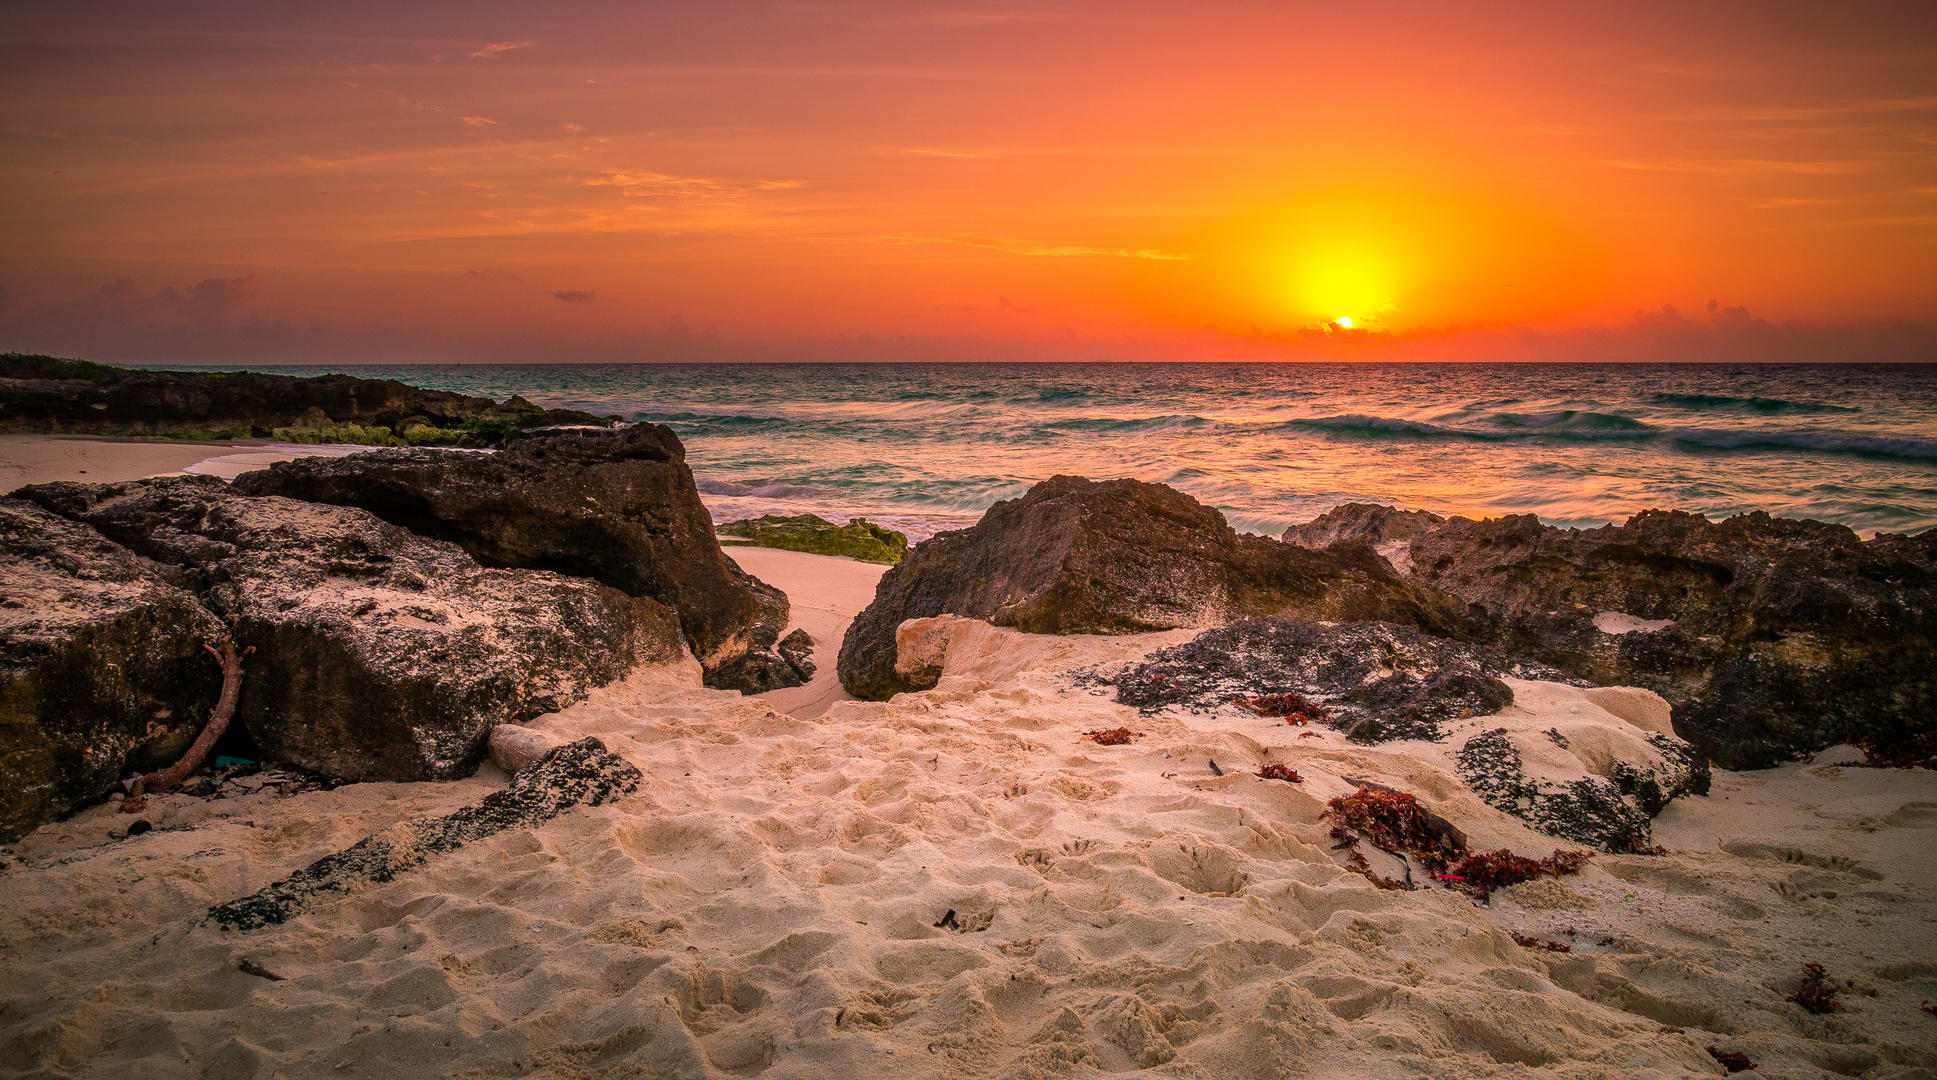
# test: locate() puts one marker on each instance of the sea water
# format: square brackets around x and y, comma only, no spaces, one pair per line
[925,447]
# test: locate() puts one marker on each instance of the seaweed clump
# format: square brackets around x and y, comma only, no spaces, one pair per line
[1111,736]
[1734,1061]
[1278,770]
[1816,994]
[1297,709]
[1492,870]
[1394,822]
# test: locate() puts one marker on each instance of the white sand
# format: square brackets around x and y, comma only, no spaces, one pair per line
[44,459]
[765,905]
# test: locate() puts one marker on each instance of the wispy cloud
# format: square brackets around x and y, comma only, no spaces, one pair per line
[480,121]
[492,52]
[1024,247]
[573,296]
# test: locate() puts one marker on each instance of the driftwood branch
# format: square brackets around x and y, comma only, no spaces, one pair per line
[218,722]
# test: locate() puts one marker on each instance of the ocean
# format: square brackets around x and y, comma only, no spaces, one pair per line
[926,447]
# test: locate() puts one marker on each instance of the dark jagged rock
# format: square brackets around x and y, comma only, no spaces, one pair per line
[380,655]
[797,649]
[1376,681]
[1611,812]
[1388,529]
[101,666]
[618,508]
[577,773]
[858,539]
[1119,557]
[42,393]
[1771,637]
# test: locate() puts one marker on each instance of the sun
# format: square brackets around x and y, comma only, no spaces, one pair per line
[1344,320]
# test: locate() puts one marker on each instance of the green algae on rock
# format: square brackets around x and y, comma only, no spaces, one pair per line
[859,539]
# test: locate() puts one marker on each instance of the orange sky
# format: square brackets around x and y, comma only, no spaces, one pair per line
[621,181]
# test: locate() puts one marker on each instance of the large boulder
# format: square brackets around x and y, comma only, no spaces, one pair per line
[101,666]
[617,508]
[1771,637]
[1073,556]
[380,655]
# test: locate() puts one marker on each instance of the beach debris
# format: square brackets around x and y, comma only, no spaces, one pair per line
[1280,771]
[1928,1007]
[139,826]
[1911,752]
[218,722]
[1526,942]
[1492,870]
[1395,823]
[580,772]
[1293,706]
[250,967]
[1734,1061]
[1111,736]
[1213,764]
[1816,993]
[947,921]
[1310,735]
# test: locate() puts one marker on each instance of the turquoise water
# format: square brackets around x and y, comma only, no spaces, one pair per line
[931,446]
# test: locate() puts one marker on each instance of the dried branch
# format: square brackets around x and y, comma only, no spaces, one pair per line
[218,722]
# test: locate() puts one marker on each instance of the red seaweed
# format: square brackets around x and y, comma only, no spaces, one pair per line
[1816,994]
[1111,736]
[1293,706]
[1734,1061]
[1279,771]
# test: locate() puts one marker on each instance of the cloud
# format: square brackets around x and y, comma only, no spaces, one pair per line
[574,295]
[492,52]
[480,121]
[1024,247]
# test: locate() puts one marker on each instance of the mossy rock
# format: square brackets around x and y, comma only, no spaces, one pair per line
[858,539]
[355,434]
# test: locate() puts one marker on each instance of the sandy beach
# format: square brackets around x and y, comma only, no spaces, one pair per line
[45,459]
[768,904]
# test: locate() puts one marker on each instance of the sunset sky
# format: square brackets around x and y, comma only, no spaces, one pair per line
[623,181]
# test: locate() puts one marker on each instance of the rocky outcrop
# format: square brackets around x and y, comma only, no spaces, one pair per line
[1591,783]
[1375,681]
[858,539]
[1595,772]
[42,393]
[1074,556]
[617,508]
[1771,637]
[380,655]
[101,666]
[577,773]
[1389,530]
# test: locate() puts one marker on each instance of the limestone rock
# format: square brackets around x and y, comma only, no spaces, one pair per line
[858,539]
[566,776]
[617,508]
[1770,637]
[380,655]
[102,670]
[42,393]
[1376,680]
[797,649]
[1074,556]
[1589,783]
